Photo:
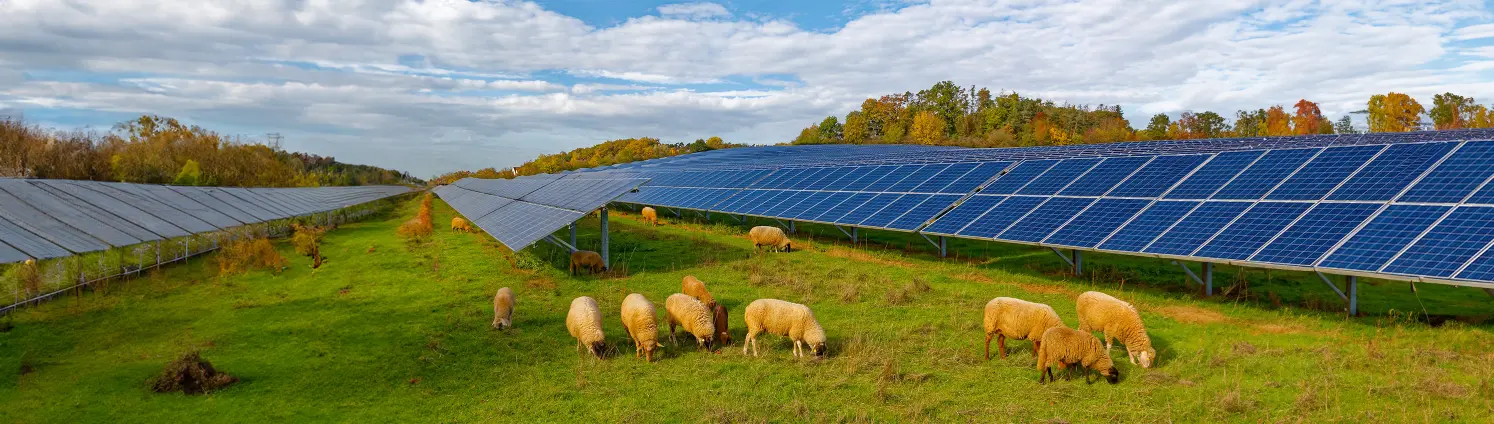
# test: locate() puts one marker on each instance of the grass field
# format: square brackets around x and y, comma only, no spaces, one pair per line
[392,332]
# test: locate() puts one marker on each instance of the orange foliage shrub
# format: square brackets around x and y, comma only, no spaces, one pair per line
[418,228]
[249,254]
[308,241]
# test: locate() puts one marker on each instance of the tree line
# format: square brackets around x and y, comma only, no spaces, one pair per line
[160,150]
[948,114]
[607,153]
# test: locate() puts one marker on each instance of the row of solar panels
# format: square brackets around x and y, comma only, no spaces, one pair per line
[1305,208]
[44,219]
[519,212]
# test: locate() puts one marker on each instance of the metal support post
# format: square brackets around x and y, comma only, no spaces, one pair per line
[1208,278]
[1078,262]
[1062,256]
[606,258]
[855,235]
[573,234]
[158,252]
[943,247]
[1330,284]
[792,229]
[1353,296]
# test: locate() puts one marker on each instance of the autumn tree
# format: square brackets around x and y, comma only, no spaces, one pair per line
[927,128]
[1482,118]
[1345,125]
[1309,118]
[855,130]
[190,173]
[1250,123]
[1450,111]
[1278,123]
[1156,129]
[830,129]
[1394,112]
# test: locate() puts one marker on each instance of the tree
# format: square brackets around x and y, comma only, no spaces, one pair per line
[698,146]
[189,174]
[809,135]
[1481,117]
[1308,118]
[1210,125]
[1250,123]
[1345,125]
[1394,112]
[715,143]
[1157,128]
[1278,123]
[947,101]
[927,128]
[1450,111]
[830,129]
[855,130]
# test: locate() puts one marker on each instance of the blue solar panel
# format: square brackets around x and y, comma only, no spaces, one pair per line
[1104,176]
[1457,176]
[1384,237]
[1265,174]
[1157,176]
[893,177]
[766,202]
[975,178]
[834,214]
[923,212]
[1002,216]
[1317,232]
[520,224]
[1097,222]
[1256,227]
[1481,268]
[738,202]
[894,210]
[828,179]
[1449,245]
[869,175]
[945,177]
[1324,173]
[1205,221]
[871,207]
[829,200]
[788,206]
[1058,177]
[1148,225]
[917,178]
[962,215]
[1204,182]
[1046,218]
[1390,173]
[851,175]
[1019,177]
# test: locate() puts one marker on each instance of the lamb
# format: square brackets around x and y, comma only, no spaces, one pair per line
[1118,320]
[718,316]
[586,260]
[650,215]
[503,309]
[1018,319]
[690,314]
[459,224]
[784,319]
[585,323]
[772,237]
[1063,346]
[696,288]
[638,318]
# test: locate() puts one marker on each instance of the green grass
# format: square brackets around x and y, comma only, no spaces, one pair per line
[392,332]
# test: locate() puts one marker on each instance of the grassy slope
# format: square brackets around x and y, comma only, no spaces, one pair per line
[386,332]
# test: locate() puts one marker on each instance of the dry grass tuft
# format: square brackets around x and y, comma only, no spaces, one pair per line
[1244,348]
[418,228]
[244,255]
[192,375]
[1191,314]
[864,256]
[1234,402]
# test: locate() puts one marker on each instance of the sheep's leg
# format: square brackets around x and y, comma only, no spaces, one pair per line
[746,342]
[1001,343]
[988,346]
[1132,356]
[1036,344]
[796,348]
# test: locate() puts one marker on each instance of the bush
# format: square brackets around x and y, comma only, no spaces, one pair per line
[192,375]
[418,228]
[244,255]
[307,241]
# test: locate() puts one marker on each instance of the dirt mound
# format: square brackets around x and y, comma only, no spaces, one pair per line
[192,375]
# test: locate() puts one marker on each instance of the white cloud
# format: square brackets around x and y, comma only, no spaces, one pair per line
[433,85]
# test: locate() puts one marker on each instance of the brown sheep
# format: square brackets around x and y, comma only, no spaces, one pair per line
[503,309]
[694,287]
[459,224]
[773,237]
[650,215]
[1063,346]
[1019,320]
[587,260]
[718,316]
[1118,320]
[684,311]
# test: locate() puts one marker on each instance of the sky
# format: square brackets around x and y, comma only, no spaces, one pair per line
[439,85]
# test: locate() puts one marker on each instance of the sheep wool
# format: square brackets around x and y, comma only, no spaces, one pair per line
[585,324]
[587,260]
[696,288]
[459,224]
[687,312]
[1118,320]
[773,237]
[1063,347]
[503,309]
[650,215]
[783,318]
[1017,319]
[638,318]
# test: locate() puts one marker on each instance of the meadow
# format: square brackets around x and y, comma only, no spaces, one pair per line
[393,331]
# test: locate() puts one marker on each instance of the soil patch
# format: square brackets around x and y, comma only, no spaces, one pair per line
[192,375]
[1191,315]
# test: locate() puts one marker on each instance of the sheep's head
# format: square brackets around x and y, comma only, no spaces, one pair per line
[649,349]
[1146,357]
[597,348]
[708,341]
[1111,374]
[788,247]
[819,349]
[502,323]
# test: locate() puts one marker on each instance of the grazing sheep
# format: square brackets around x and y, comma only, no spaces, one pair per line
[650,215]
[503,309]
[718,316]
[784,319]
[639,320]
[690,314]
[1017,319]
[1063,347]
[772,237]
[1118,320]
[696,288]
[585,323]
[459,224]
[587,260]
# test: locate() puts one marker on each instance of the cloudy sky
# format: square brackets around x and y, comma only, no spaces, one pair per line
[437,85]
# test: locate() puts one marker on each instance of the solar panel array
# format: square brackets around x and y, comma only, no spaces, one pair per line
[1411,206]
[521,211]
[44,219]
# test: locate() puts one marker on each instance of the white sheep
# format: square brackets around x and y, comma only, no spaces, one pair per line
[503,309]
[1018,319]
[773,237]
[650,215]
[585,323]
[1119,321]
[696,288]
[784,319]
[1063,347]
[687,312]
[639,319]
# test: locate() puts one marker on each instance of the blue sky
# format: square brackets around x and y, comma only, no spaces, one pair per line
[437,85]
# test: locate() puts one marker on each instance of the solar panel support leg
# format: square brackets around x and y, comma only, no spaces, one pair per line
[606,259]
[792,229]
[1208,277]
[1063,256]
[573,234]
[1078,262]
[943,247]
[1191,275]
[855,235]
[1330,284]
[556,241]
[1353,296]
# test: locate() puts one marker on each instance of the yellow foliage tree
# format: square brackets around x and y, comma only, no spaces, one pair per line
[927,128]
[1394,112]
[1278,122]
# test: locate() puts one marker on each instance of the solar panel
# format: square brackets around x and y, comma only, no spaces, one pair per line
[1324,172]
[1193,230]
[1019,177]
[1265,174]
[1385,236]
[1158,175]
[1058,177]
[964,214]
[973,179]
[1252,230]
[10,254]
[1317,232]
[26,241]
[1213,175]
[1046,218]
[167,205]
[1450,244]
[1457,176]
[819,206]
[1095,223]
[834,214]
[158,226]
[866,210]
[1145,227]
[894,210]
[520,224]
[1104,176]
[923,212]
[1002,216]
[581,195]
[81,225]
